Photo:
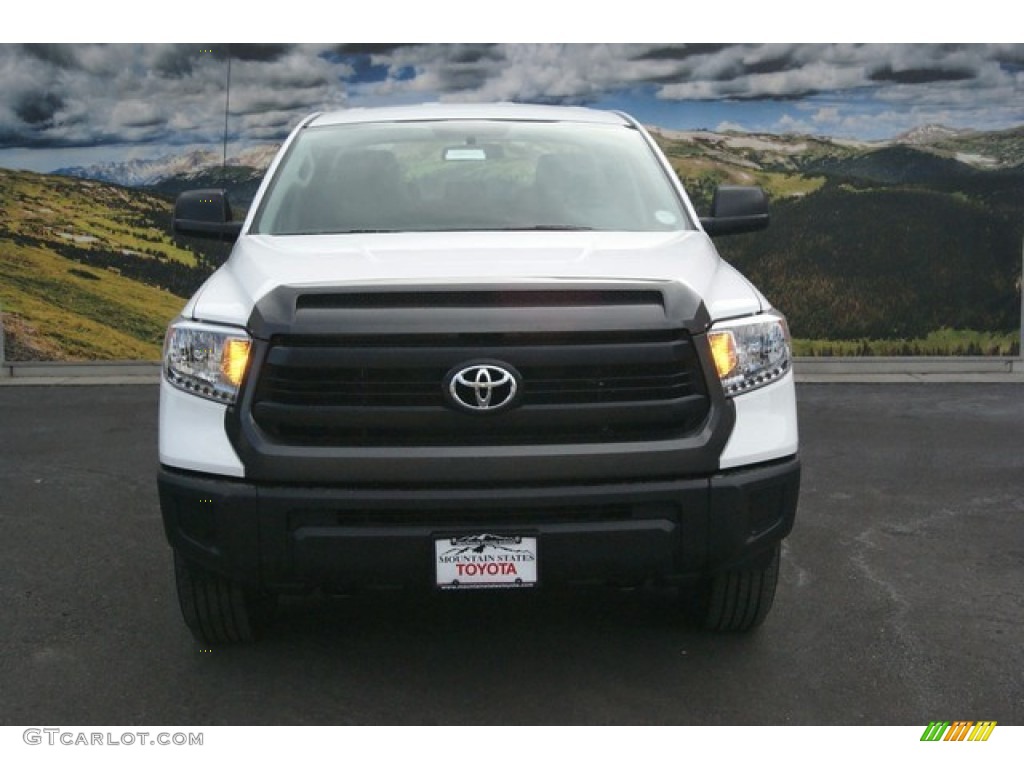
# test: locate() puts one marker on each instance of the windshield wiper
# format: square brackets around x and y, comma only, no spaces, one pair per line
[335,232]
[365,231]
[547,228]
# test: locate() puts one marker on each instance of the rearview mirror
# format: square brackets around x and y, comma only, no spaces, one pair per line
[464,153]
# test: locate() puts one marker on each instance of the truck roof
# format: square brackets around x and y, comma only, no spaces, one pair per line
[454,111]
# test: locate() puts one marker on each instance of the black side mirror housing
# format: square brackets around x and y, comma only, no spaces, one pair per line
[205,213]
[736,209]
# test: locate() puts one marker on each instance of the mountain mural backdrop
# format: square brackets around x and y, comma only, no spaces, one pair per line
[915,241]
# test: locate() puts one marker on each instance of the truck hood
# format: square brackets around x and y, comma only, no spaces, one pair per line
[262,263]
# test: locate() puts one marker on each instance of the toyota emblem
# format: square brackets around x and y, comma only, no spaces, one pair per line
[483,387]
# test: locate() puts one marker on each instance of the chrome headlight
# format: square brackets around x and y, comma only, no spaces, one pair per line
[750,352]
[206,360]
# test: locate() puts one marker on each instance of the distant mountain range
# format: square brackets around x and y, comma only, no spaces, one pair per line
[983,150]
[925,135]
[192,163]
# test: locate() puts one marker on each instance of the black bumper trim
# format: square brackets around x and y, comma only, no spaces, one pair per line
[286,538]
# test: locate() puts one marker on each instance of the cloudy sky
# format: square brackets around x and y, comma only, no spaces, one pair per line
[72,104]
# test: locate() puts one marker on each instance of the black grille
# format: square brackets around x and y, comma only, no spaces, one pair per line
[577,387]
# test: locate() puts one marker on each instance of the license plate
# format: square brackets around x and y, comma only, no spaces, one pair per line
[486,561]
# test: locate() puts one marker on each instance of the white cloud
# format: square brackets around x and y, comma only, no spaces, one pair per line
[63,95]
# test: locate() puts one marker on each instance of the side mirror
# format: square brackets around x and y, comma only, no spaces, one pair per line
[205,213]
[736,209]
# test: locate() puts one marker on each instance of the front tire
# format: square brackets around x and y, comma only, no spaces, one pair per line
[217,610]
[737,600]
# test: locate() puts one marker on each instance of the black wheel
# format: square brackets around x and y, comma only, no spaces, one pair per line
[736,600]
[217,610]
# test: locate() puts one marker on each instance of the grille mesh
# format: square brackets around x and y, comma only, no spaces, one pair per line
[389,390]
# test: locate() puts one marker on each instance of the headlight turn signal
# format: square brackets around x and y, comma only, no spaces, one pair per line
[750,352]
[206,360]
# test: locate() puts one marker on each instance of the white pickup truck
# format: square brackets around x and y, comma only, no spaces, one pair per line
[475,347]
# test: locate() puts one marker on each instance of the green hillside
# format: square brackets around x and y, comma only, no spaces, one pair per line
[871,242]
[885,263]
[87,270]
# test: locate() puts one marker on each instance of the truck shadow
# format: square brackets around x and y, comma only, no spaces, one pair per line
[567,656]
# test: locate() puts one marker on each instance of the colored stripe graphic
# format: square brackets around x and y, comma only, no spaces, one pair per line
[982,730]
[935,730]
[958,730]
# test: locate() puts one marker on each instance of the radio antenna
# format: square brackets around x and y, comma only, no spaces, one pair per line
[227,105]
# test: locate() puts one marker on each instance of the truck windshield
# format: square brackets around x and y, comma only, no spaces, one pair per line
[458,175]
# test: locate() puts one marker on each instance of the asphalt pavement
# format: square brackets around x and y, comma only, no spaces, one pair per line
[901,597]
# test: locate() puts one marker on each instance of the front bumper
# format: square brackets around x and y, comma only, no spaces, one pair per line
[293,538]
